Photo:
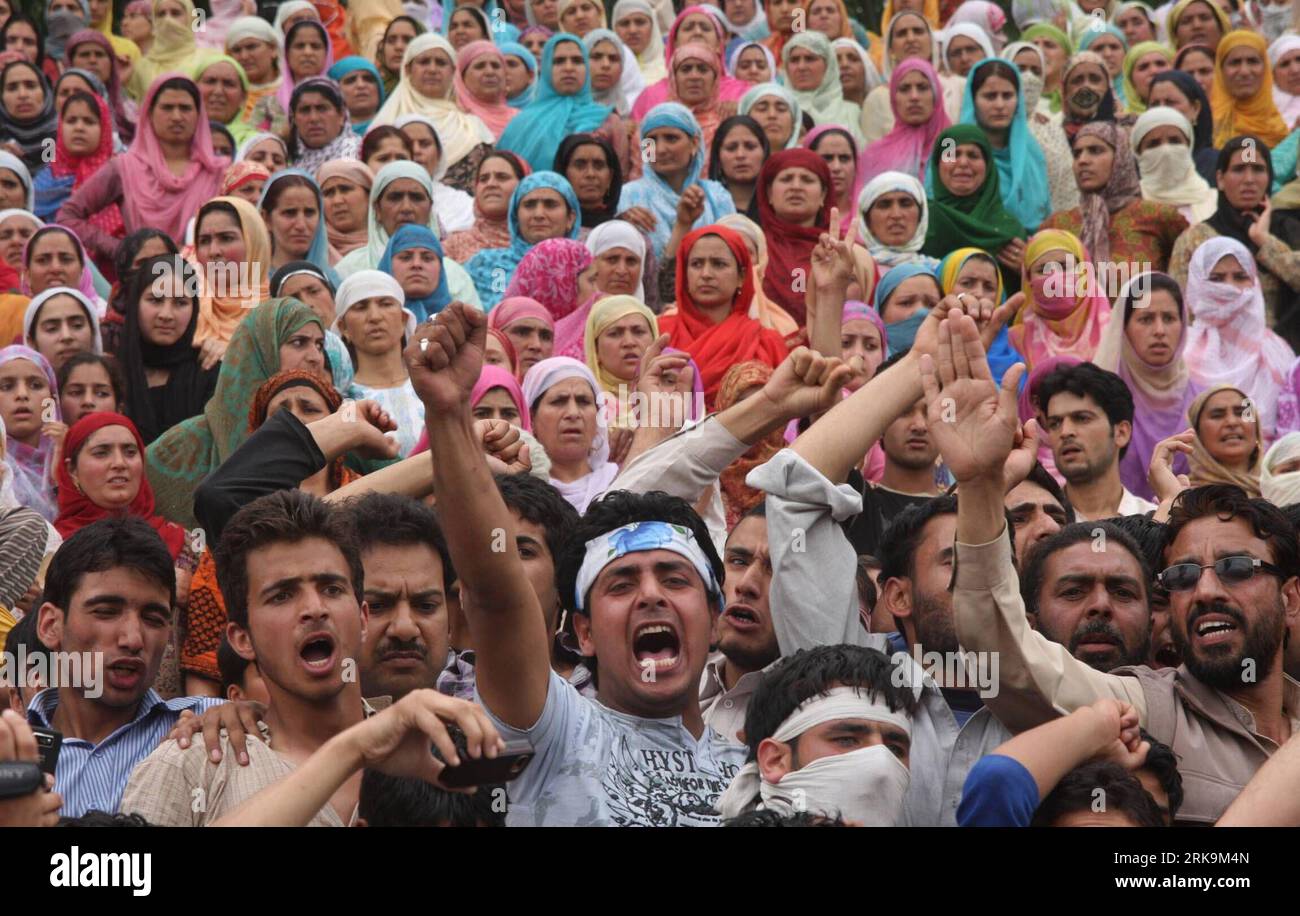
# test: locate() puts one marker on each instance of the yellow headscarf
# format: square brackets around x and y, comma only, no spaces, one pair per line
[220,315]
[122,47]
[930,11]
[952,264]
[173,46]
[1171,21]
[603,314]
[1257,115]
[1132,101]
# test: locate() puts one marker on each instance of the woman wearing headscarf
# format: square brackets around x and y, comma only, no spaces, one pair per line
[712,322]
[30,449]
[308,54]
[763,310]
[1109,43]
[427,88]
[1197,22]
[521,86]
[28,119]
[615,79]
[753,62]
[777,111]
[557,274]
[1243,102]
[264,344]
[694,80]
[805,56]
[1141,64]
[296,233]
[1163,140]
[1243,215]
[642,36]
[562,106]
[893,221]
[266,148]
[357,72]
[1229,440]
[1228,342]
[260,60]
[225,86]
[46,263]
[345,188]
[1064,314]
[1144,344]
[165,382]
[1031,63]
[221,308]
[839,150]
[619,250]
[965,201]
[1279,476]
[84,145]
[693,25]
[1057,50]
[317,141]
[908,37]
[142,182]
[61,322]
[794,215]
[528,327]
[15,175]
[1114,223]
[975,271]
[675,170]
[740,147]
[919,117]
[619,329]
[173,46]
[414,258]
[1179,90]
[397,36]
[1284,59]
[597,186]
[481,89]
[859,74]
[905,295]
[491,268]
[961,45]
[499,173]
[1087,95]
[87,49]
[559,392]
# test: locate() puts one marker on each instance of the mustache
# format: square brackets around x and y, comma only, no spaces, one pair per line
[393,646]
[1096,628]
[1202,608]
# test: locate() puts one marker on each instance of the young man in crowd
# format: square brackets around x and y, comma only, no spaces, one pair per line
[1231,575]
[645,586]
[1037,508]
[828,732]
[1089,414]
[107,612]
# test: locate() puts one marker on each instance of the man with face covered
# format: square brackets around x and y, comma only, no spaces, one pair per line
[1231,572]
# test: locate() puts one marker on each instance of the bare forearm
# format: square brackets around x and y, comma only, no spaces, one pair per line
[981,515]
[1054,749]
[1271,798]
[827,318]
[411,477]
[752,419]
[295,800]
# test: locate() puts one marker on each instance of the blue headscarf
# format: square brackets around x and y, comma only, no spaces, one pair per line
[900,334]
[1022,177]
[492,268]
[656,195]
[498,29]
[413,236]
[1095,30]
[515,49]
[536,132]
[319,252]
[352,64]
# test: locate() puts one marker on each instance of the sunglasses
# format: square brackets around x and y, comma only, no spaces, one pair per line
[1230,570]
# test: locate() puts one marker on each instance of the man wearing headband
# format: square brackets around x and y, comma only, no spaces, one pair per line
[829,734]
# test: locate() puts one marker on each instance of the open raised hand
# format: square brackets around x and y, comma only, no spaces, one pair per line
[445,357]
[973,421]
[988,315]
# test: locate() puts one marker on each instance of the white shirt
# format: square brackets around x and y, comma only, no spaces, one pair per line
[1128,505]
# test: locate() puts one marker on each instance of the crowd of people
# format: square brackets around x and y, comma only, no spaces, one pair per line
[801,413]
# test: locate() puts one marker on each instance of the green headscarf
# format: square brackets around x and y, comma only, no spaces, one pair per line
[979,220]
[1047,30]
[180,458]
[207,57]
[1132,101]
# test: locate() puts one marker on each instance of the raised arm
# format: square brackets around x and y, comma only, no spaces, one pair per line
[513,658]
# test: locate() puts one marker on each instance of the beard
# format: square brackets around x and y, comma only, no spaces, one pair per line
[935,629]
[1121,653]
[1219,666]
[750,653]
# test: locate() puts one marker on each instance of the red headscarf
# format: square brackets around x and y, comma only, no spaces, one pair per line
[76,511]
[81,168]
[789,245]
[737,338]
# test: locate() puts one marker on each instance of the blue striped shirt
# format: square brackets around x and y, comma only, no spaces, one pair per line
[94,776]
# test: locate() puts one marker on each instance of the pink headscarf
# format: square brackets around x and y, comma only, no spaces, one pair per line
[516,308]
[86,283]
[847,214]
[548,274]
[906,148]
[285,93]
[1070,324]
[495,377]
[729,88]
[151,195]
[497,116]
[706,112]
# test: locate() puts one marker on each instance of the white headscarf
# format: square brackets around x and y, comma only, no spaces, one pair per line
[966,30]
[18,167]
[1287,104]
[33,307]
[1281,489]
[650,61]
[1169,175]
[255,27]
[368,255]
[616,233]
[869,69]
[537,381]
[370,284]
[247,146]
[886,255]
[285,10]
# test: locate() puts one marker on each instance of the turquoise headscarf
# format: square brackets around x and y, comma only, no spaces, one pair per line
[515,49]
[352,64]
[537,131]
[1022,167]
[413,236]
[1091,34]
[901,334]
[492,268]
[319,252]
[489,14]
[660,198]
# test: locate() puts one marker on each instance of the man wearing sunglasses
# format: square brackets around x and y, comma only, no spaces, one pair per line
[1231,566]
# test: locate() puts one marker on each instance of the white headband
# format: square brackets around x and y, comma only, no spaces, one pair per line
[637,537]
[839,703]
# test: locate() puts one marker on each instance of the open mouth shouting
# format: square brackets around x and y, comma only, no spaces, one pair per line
[316,651]
[1214,628]
[741,617]
[657,647]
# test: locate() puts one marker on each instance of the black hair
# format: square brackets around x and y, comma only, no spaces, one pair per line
[377,135]
[130,247]
[284,271]
[1078,791]
[1227,502]
[1144,284]
[23,636]
[516,164]
[867,594]
[1245,141]
[1185,83]
[480,17]
[902,536]
[183,284]
[1039,476]
[985,70]
[51,230]
[184,84]
[274,189]
[720,137]
[609,203]
[536,501]
[1292,513]
[892,360]
[1147,533]
[769,818]
[216,127]
[1164,767]
[124,542]
[217,206]
[115,378]
[1034,570]
[323,87]
[16,17]
[393,520]
[97,818]
[393,801]
[437,140]
[1106,389]
[231,665]
[315,24]
[813,672]
[616,509]
[85,98]
[287,516]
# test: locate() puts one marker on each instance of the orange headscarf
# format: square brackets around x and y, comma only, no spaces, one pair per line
[1257,115]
